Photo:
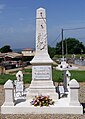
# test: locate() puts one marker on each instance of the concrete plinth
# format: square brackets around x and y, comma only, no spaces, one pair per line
[60,107]
[42,87]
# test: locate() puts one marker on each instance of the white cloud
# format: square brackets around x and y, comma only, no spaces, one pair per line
[2,7]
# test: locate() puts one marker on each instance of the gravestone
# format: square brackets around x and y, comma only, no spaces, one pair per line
[68,75]
[42,83]
[19,83]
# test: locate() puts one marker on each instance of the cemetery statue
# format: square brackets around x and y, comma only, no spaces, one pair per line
[19,83]
[19,76]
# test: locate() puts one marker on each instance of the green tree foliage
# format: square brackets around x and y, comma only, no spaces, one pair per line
[74,46]
[51,51]
[5,49]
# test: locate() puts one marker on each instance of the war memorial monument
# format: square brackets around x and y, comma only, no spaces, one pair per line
[41,83]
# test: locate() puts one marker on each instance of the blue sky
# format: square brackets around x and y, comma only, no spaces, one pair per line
[17,21]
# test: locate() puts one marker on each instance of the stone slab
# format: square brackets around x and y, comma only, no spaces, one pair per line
[60,107]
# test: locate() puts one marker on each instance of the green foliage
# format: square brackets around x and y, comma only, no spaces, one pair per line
[74,46]
[51,51]
[56,57]
[5,49]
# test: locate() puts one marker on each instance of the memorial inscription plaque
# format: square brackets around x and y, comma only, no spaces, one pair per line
[42,72]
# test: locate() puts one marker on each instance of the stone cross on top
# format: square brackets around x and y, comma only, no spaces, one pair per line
[41,33]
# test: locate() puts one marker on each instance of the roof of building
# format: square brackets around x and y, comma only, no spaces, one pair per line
[10,54]
[28,49]
[2,55]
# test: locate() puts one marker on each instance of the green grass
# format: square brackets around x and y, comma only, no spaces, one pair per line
[57,76]
[78,75]
[27,78]
[5,77]
[28,70]
[12,76]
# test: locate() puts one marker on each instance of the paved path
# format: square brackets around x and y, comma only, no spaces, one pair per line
[17,69]
[30,66]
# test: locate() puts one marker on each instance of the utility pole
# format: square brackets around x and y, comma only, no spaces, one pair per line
[62,44]
[66,50]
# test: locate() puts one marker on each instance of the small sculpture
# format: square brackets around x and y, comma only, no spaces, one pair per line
[19,76]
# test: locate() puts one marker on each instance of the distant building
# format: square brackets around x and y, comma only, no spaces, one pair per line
[28,52]
[12,60]
[9,60]
[10,55]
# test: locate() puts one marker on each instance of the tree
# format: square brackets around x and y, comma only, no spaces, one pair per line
[74,46]
[51,51]
[5,49]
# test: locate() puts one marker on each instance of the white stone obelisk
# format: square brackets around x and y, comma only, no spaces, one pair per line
[42,55]
[41,83]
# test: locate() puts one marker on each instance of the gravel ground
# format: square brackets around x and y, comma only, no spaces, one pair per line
[46,116]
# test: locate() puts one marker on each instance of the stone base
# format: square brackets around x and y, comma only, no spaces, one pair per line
[60,107]
[42,87]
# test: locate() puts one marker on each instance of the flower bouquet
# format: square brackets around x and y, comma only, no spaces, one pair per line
[42,101]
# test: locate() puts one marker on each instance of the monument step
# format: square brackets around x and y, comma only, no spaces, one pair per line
[42,83]
[42,87]
[26,108]
[41,91]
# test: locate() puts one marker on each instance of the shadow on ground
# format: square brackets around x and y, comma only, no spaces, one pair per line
[83,104]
